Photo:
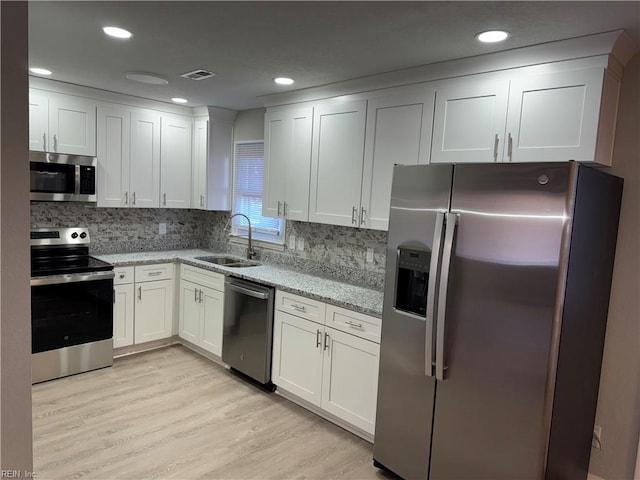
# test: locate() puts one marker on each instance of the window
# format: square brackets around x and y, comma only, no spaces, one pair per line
[248,174]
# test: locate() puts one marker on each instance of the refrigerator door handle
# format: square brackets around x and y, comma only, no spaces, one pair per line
[430,324]
[447,249]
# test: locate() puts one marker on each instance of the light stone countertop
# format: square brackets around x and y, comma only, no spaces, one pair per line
[361,299]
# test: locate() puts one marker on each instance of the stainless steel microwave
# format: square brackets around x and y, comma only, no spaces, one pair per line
[62,178]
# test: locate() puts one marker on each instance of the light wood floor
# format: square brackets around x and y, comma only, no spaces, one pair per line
[173,414]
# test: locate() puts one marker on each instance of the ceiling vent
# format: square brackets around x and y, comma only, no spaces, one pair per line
[198,74]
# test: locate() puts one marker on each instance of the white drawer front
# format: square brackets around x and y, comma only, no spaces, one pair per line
[300,306]
[202,277]
[355,323]
[123,276]
[149,273]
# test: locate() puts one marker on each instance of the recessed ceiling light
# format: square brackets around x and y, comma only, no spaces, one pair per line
[144,77]
[117,32]
[493,36]
[283,80]
[179,100]
[40,71]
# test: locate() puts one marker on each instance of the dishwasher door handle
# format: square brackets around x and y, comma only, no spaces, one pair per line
[247,291]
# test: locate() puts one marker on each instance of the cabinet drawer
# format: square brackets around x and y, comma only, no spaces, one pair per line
[123,276]
[148,273]
[359,324]
[202,277]
[300,306]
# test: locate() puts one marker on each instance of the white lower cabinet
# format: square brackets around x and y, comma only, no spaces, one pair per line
[201,308]
[153,310]
[123,308]
[329,368]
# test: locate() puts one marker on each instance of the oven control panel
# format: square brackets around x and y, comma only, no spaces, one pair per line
[60,236]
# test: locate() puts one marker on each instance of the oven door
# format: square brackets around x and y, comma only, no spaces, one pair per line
[72,309]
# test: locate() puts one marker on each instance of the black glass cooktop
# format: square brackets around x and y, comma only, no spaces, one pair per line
[65,260]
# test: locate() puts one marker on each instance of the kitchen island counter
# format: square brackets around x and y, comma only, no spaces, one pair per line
[354,297]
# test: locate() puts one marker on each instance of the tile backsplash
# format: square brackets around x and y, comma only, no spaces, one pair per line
[337,252]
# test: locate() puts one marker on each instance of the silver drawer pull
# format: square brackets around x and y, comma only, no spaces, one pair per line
[154,274]
[300,308]
[354,324]
[122,275]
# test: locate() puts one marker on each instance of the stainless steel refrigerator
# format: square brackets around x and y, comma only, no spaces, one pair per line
[495,304]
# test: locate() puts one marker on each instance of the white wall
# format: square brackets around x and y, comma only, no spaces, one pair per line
[619,400]
[249,125]
[15,312]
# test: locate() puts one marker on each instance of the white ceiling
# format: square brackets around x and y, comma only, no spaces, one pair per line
[316,43]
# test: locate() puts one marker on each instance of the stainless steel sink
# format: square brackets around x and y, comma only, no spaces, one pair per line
[228,261]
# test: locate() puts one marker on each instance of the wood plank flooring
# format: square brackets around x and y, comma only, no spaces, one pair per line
[172,414]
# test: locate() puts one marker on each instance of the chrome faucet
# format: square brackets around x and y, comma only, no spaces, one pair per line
[250,252]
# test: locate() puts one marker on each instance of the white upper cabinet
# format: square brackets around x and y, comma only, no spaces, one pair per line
[62,123]
[113,145]
[336,162]
[145,159]
[287,164]
[469,120]
[199,165]
[175,161]
[554,117]
[398,132]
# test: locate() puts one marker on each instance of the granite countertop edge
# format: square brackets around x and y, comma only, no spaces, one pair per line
[361,299]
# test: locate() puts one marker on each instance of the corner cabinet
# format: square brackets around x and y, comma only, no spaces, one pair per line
[201,308]
[336,162]
[328,357]
[175,161]
[61,123]
[287,156]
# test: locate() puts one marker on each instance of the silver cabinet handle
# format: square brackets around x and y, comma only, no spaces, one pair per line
[285,209]
[55,143]
[114,295]
[279,203]
[154,274]
[510,147]
[354,212]
[300,308]
[139,293]
[447,249]
[199,296]
[202,200]
[44,142]
[133,198]
[195,294]
[126,198]
[122,275]
[354,324]
[495,148]
[430,324]
[362,214]
[326,341]
[318,338]
[164,199]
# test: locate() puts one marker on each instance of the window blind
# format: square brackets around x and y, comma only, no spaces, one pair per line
[248,176]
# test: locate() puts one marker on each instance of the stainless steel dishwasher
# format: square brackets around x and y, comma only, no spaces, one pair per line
[248,329]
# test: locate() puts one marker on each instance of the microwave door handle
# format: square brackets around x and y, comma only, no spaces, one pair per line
[451,221]
[430,324]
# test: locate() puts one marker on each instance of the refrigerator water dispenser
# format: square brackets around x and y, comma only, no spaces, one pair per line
[412,278]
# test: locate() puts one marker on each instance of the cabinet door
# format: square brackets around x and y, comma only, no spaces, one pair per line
[298,172]
[123,316]
[154,310]
[175,162]
[38,120]
[554,117]
[199,164]
[211,323]
[72,125]
[113,144]
[469,121]
[277,146]
[297,356]
[350,379]
[336,163]
[398,132]
[189,320]
[145,159]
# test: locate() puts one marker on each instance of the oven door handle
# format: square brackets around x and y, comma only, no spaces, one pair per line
[71,278]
